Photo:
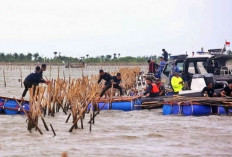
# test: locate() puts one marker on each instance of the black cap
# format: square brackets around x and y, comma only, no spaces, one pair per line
[118,74]
[148,61]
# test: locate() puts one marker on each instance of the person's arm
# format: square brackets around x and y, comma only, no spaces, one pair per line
[149,88]
[99,80]
[162,90]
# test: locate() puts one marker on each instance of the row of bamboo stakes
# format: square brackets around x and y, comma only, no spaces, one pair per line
[75,97]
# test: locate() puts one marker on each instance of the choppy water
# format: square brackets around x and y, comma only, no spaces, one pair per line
[115,133]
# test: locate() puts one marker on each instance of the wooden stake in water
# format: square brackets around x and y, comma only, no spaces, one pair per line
[21,78]
[4,77]
[50,71]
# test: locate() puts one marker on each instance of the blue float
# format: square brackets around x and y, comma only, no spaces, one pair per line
[167,109]
[176,109]
[1,105]
[197,110]
[26,107]
[123,106]
[11,107]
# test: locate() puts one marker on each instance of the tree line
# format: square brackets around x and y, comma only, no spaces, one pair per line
[58,58]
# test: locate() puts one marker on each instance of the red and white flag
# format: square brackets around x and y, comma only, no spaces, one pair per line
[227,43]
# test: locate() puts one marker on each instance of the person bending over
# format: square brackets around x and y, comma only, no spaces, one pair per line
[32,79]
[116,80]
[227,91]
[152,90]
[208,91]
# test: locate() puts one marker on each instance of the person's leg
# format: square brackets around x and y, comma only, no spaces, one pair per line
[119,88]
[27,85]
[105,89]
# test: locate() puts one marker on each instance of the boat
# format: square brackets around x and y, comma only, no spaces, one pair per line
[10,106]
[75,65]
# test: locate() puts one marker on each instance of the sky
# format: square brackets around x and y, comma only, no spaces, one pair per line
[100,27]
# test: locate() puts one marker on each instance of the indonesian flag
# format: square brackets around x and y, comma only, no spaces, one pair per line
[227,43]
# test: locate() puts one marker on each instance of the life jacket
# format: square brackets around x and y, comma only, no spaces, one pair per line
[155,89]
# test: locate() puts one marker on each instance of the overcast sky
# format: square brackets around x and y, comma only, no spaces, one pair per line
[130,27]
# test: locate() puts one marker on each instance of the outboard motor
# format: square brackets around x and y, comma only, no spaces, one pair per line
[198,82]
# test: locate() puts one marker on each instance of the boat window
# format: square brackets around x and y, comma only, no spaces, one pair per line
[167,69]
[191,68]
[180,66]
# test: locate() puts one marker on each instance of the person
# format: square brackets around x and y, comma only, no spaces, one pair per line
[116,80]
[208,91]
[165,54]
[104,76]
[160,87]
[161,67]
[177,83]
[227,91]
[152,66]
[32,79]
[152,90]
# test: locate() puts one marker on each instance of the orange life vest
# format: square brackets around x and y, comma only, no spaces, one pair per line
[155,89]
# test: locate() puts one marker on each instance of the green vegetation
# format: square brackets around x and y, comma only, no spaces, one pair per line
[115,58]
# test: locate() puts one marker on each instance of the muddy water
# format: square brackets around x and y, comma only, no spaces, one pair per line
[115,133]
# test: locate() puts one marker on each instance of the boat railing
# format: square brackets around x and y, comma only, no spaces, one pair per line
[225,70]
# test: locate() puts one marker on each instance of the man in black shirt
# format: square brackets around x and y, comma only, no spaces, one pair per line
[105,76]
[227,91]
[208,91]
[116,84]
[43,68]
[32,79]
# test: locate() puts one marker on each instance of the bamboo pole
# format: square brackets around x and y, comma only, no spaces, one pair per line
[4,77]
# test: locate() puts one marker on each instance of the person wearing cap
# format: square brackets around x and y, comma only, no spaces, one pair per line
[160,87]
[32,79]
[227,91]
[152,90]
[177,83]
[165,54]
[115,81]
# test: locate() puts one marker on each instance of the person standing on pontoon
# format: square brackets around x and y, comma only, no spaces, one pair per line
[153,67]
[165,54]
[161,67]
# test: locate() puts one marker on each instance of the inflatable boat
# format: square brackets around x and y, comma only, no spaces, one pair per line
[10,106]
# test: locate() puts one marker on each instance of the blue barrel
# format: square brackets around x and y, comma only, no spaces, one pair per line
[218,110]
[167,109]
[197,110]
[123,106]
[11,107]
[106,106]
[1,105]
[176,109]
[26,107]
